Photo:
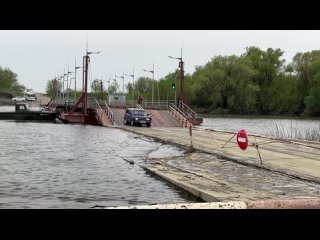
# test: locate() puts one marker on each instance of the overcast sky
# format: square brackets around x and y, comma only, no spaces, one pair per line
[38,56]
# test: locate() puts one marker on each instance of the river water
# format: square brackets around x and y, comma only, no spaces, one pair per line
[306,129]
[46,165]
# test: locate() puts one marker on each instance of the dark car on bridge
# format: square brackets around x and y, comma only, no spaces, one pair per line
[136,116]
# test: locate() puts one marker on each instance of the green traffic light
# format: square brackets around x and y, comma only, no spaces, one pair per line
[173,86]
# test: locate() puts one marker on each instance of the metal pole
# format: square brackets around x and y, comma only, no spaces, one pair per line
[157,85]
[182,77]
[123,81]
[181,84]
[101,87]
[85,87]
[60,88]
[68,83]
[175,94]
[152,83]
[83,72]
[228,141]
[108,91]
[133,87]
[63,86]
[75,80]
[115,83]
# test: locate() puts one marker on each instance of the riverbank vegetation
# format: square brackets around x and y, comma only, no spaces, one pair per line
[9,82]
[256,82]
[9,86]
[293,131]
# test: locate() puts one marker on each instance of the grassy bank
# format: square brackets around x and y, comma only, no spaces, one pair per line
[280,130]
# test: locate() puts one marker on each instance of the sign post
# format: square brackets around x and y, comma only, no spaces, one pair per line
[190,133]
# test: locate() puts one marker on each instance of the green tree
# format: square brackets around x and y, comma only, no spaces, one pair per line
[286,97]
[307,66]
[268,65]
[130,91]
[166,93]
[313,100]
[187,88]
[144,87]
[302,63]
[244,90]
[53,88]
[113,88]
[225,82]
[96,86]
[9,82]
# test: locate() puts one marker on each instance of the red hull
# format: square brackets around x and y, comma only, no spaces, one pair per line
[78,119]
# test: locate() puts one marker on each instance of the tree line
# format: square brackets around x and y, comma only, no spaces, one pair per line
[256,82]
[9,83]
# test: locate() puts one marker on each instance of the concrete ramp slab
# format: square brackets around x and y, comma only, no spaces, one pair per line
[118,114]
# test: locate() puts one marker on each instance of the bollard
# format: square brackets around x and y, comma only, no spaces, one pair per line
[190,133]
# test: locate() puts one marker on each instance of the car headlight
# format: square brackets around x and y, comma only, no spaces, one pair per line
[137,119]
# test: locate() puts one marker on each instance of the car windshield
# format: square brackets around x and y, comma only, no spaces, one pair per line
[139,112]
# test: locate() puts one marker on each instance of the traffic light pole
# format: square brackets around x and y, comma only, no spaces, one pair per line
[173,87]
[101,88]
[181,84]
[181,89]
[175,96]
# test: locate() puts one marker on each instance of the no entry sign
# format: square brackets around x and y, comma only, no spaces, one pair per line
[242,139]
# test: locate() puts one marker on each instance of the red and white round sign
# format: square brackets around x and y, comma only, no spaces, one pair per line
[242,139]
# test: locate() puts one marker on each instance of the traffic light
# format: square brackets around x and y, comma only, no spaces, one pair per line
[173,86]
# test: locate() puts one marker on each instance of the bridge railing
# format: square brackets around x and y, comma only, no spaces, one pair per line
[104,108]
[160,105]
[179,115]
[108,112]
[121,105]
[95,104]
[188,112]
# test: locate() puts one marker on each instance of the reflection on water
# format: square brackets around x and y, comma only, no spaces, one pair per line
[7,108]
[44,165]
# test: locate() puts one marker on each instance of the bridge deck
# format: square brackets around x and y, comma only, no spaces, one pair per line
[159,118]
[279,155]
[286,170]
[215,179]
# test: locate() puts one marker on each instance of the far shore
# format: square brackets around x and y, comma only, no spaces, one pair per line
[41,100]
[6,102]
[250,116]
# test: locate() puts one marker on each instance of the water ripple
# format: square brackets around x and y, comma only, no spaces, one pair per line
[44,165]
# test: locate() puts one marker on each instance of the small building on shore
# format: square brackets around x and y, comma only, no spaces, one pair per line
[117,99]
